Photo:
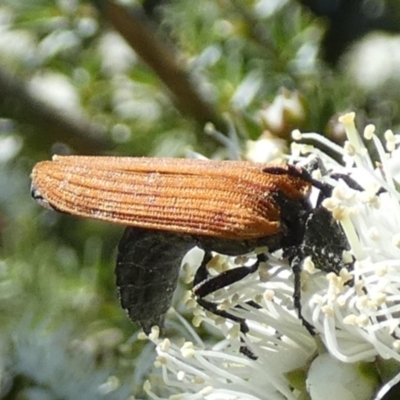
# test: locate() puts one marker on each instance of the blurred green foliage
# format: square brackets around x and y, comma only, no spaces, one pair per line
[62,333]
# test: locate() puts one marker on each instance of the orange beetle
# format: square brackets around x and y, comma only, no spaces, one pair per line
[171,205]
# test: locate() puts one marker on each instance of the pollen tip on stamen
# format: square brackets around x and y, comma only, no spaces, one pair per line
[362,321]
[160,361]
[235,299]
[187,344]
[308,265]
[340,213]
[196,309]
[390,146]
[389,136]
[216,263]
[341,301]
[330,203]
[343,192]
[379,298]
[263,272]
[396,345]
[334,279]
[188,352]
[147,386]
[206,391]
[180,376]
[258,298]
[347,118]
[157,364]
[347,257]
[369,197]
[240,260]
[225,305]
[362,302]
[345,275]
[155,333]
[328,311]
[197,320]
[260,250]
[350,319]
[359,287]
[268,295]
[296,134]
[165,345]
[187,273]
[369,131]
[317,175]
[187,297]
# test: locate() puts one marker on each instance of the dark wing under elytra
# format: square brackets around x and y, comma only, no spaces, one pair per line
[147,272]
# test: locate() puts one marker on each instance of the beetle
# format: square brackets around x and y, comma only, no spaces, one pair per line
[171,205]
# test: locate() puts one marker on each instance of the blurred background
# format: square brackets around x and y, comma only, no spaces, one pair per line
[142,79]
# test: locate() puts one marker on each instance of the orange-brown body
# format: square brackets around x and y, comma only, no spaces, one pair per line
[223,199]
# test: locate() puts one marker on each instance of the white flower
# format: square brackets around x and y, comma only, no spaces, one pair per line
[355,313]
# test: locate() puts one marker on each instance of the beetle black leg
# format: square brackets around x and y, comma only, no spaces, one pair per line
[213,308]
[202,273]
[296,268]
[205,285]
